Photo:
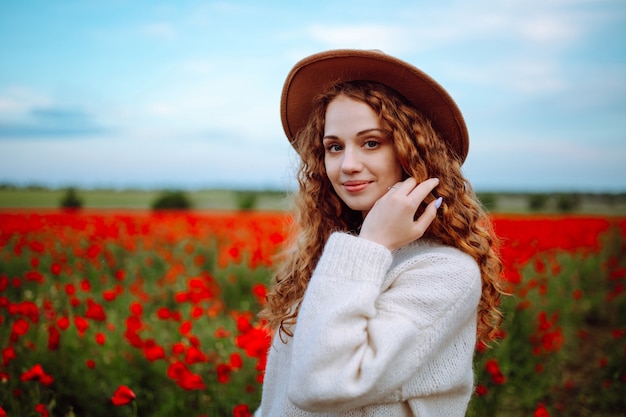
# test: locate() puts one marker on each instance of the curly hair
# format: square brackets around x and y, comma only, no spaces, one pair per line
[461,221]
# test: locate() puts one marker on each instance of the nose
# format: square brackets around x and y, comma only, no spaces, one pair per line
[351,161]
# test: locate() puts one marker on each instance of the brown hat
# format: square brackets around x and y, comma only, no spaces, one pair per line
[316,73]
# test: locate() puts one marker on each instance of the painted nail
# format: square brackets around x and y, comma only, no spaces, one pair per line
[438,202]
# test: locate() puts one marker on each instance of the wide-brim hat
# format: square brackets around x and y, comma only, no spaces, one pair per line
[314,74]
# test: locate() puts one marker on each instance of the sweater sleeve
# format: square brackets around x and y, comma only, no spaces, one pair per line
[355,344]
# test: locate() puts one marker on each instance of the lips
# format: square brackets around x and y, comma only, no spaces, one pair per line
[355,186]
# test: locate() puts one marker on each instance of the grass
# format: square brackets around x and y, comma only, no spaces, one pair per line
[216,199]
[228,199]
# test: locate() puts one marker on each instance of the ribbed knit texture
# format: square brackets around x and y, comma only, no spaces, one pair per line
[379,334]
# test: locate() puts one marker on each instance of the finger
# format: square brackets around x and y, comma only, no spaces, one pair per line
[419,193]
[404,187]
[425,220]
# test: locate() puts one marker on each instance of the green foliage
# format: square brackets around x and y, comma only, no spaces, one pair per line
[171,200]
[488,200]
[567,202]
[86,391]
[562,345]
[71,200]
[246,200]
[563,339]
[537,201]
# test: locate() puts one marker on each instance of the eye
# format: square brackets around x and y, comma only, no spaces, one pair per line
[371,144]
[333,147]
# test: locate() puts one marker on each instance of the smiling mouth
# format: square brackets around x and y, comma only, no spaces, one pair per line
[355,186]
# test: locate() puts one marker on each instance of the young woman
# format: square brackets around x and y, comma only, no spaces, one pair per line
[378,304]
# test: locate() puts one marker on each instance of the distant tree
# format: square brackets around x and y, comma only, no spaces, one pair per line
[246,200]
[568,202]
[171,200]
[71,200]
[537,201]
[488,200]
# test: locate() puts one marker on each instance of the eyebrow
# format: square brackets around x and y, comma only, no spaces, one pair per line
[361,133]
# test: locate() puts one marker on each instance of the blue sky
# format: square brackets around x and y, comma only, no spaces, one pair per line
[186,93]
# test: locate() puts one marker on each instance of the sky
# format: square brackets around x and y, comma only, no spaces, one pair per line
[185,94]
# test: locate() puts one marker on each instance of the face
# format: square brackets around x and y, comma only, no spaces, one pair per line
[359,157]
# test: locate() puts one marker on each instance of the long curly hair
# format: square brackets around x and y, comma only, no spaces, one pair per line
[461,221]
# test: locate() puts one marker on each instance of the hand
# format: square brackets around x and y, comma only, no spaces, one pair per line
[391,222]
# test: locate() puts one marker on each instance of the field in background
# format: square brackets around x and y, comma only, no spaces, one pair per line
[165,303]
[216,199]
[227,199]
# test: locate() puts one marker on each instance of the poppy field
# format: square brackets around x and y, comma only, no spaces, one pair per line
[138,313]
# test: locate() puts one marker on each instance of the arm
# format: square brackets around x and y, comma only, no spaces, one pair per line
[354,345]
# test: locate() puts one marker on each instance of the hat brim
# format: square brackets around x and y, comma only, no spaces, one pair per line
[315,74]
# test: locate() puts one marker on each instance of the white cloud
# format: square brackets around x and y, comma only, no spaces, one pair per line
[389,39]
[418,28]
[521,74]
[16,100]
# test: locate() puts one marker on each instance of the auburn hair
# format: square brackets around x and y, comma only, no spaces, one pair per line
[461,221]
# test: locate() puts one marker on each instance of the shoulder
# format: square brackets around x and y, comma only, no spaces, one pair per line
[431,264]
[427,252]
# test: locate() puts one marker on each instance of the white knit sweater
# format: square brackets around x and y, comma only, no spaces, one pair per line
[379,334]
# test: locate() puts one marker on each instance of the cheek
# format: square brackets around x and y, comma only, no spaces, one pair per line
[400,175]
[329,167]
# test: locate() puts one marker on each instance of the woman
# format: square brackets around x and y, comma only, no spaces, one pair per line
[378,304]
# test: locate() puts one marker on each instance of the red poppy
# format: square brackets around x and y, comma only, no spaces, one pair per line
[260,292]
[481,390]
[235,360]
[221,332]
[163,313]
[241,410]
[2,412]
[8,354]
[20,328]
[136,309]
[101,338]
[85,285]
[81,325]
[42,409]
[184,377]
[36,373]
[54,337]
[153,351]
[541,411]
[34,276]
[122,396]
[70,289]
[55,269]
[185,328]
[63,323]
[223,373]
[95,311]
[195,355]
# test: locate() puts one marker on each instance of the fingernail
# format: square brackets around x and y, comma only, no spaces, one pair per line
[438,202]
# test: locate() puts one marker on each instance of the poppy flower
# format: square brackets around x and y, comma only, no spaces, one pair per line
[122,396]
[242,410]
[223,373]
[8,354]
[95,311]
[541,411]
[42,409]
[54,338]
[36,373]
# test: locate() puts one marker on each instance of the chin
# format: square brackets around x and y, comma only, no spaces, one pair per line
[359,206]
